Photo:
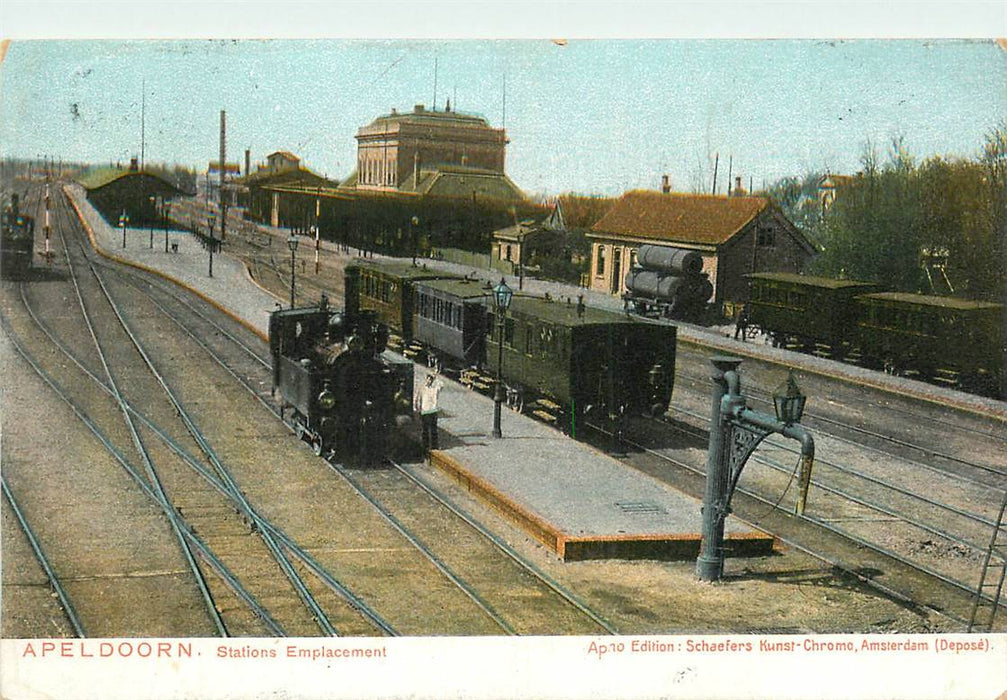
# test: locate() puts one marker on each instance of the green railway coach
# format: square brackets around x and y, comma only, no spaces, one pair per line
[930,333]
[810,309]
[586,360]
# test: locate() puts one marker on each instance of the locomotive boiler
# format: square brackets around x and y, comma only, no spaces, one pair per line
[329,369]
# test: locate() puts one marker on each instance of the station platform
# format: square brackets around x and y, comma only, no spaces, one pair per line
[579,502]
[231,288]
[576,500]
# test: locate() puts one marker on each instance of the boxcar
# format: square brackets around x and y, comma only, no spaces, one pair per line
[451,319]
[387,287]
[927,333]
[587,360]
[810,309]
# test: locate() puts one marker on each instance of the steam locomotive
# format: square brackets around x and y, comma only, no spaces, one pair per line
[17,241]
[329,369]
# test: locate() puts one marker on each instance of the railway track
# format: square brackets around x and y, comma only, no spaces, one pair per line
[581,619]
[403,501]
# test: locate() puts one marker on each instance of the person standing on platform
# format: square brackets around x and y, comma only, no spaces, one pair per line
[741,326]
[426,404]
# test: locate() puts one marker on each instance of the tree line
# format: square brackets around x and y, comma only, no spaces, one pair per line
[898,213]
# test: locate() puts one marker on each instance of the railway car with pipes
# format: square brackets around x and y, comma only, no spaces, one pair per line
[17,241]
[667,282]
[329,369]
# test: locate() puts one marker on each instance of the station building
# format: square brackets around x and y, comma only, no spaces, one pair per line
[424,179]
[140,194]
[736,235]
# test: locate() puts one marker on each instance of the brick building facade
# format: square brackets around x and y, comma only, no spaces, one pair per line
[735,236]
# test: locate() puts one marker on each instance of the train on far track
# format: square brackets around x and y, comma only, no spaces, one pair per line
[941,339]
[561,360]
[328,367]
[17,240]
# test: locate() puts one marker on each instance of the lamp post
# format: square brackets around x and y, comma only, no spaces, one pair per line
[123,220]
[292,244]
[210,223]
[735,432]
[413,223]
[153,206]
[165,209]
[502,295]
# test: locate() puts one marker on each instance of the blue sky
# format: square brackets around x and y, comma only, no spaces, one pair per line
[593,116]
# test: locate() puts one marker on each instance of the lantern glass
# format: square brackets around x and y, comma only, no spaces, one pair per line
[789,401]
[502,295]
[292,243]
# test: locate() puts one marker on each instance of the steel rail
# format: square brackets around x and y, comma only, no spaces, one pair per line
[526,565]
[302,590]
[295,579]
[843,495]
[776,444]
[221,569]
[822,524]
[757,393]
[64,598]
[215,481]
[152,474]
[423,548]
[953,476]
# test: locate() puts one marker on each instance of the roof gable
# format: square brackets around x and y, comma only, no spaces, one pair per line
[684,218]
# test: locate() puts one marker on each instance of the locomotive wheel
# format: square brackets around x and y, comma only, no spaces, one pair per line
[298,429]
[316,446]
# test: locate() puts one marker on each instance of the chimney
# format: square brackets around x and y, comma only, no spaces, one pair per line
[665,184]
[248,162]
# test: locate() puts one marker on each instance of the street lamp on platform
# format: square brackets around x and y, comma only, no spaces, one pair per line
[210,224]
[165,212]
[502,295]
[735,432]
[123,220]
[292,244]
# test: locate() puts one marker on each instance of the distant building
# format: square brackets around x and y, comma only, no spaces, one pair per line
[427,152]
[735,235]
[281,161]
[829,187]
[139,194]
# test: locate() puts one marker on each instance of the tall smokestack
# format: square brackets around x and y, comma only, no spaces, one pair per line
[223,174]
[248,162]
[665,184]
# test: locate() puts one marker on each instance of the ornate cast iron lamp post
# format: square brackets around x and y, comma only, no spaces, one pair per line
[502,295]
[735,432]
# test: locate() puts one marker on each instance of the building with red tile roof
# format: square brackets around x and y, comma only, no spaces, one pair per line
[735,235]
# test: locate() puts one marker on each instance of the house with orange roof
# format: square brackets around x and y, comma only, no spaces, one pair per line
[735,235]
